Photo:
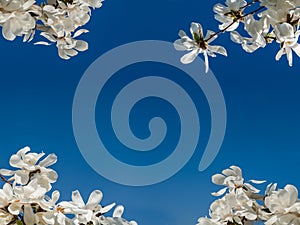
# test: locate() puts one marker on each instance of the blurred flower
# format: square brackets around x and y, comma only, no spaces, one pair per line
[284,206]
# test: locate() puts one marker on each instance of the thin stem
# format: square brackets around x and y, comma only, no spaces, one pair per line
[233,22]
[42,27]
[4,179]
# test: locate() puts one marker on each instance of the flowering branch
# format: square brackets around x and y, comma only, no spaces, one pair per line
[279,22]
[241,18]
[58,20]
[242,205]
[25,201]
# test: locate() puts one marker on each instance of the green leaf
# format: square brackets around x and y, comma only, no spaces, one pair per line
[19,222]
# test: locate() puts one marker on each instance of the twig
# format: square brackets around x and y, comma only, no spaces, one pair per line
[4,179]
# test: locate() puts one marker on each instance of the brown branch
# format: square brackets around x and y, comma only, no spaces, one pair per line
[5,180]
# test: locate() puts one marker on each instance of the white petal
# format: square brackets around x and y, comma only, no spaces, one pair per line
[197,29]
[218,179]
[28,4]
[81,45]
[289,55]
[107,208]
[279,54]
[181,33]
[77,199]
[189,57]
[62,54]
[94,199]
[257,181]
[6,172]
[49,160]
[218,49]
[206,62]
[29,217]
[293,193]
[220,192]
[22,177]
[79,32]
[236,37]
[179,46]
[296,49]
[118,211]
[6,32]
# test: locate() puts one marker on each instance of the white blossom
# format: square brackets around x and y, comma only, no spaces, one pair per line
[66,45]
[15,18]
[284,206]
[30,166]
[257,29]
[25,201]
[199,44]
[229,15]
[288,40]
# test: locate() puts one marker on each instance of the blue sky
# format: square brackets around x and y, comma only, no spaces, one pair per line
[262,100]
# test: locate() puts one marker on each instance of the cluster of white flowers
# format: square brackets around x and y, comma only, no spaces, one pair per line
[265,22]
[58,20]
[241,203]
[24,200]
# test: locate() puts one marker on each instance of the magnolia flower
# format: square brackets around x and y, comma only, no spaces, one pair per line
[53,213]
[284,206]
[89,211]
[67,46]
[206,221]
[199,44]
[26,203]
[230,14]
[232,178]
[91,3]
[277,10]
[259,32]
[117,218]
[31,168]
[288,41]
[16,18]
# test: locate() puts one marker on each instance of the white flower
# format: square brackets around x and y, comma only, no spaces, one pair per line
[206,221]
[288,41]
[199,44]
[277,10]
[232,207]
[229,14]
[52,213]
[67,46]
[91,3]
[284,205]
[16,18]
[233,179]
[25,202]
[31,168]
[257,29]
[88,212]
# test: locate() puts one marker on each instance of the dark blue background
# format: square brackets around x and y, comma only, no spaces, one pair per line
[262,98]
